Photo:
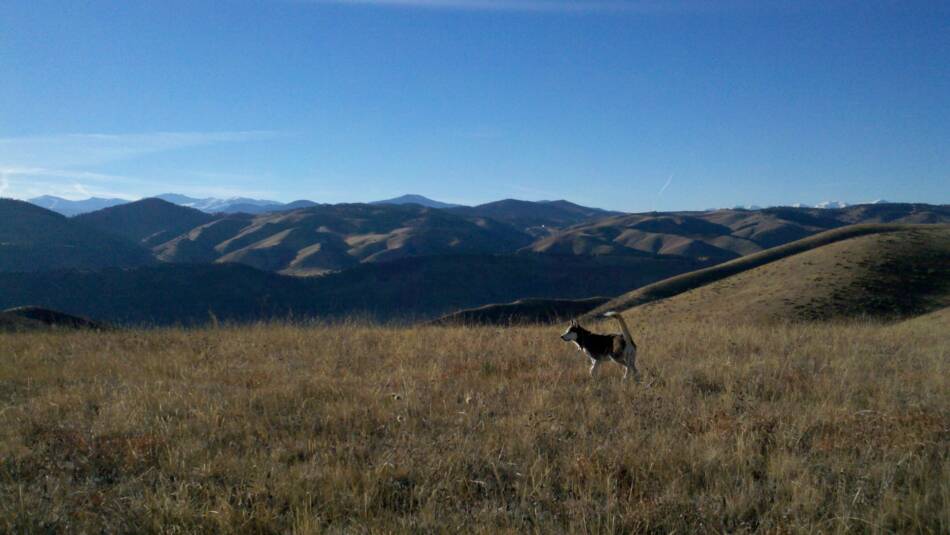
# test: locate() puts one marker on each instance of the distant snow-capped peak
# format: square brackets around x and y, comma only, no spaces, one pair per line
[832,204]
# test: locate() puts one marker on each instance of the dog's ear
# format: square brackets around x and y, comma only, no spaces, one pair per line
[573,322]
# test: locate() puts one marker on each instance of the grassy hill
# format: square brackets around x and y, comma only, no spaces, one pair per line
[31,318]
[522,312]
[15,323]
[938,319]
[148,221]
[878,271]
[36,239]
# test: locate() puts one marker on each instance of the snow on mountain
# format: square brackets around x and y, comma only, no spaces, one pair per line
[832,204]
[70,208]
[212,204]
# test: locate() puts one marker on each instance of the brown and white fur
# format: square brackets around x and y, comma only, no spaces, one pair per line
[619,348]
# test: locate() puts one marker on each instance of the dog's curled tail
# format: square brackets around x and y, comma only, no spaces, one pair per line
[623,326]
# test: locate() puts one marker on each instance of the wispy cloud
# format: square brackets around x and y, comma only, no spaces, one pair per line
[92,149]
[66,165]
[28,182]
[553,6]
[64,173]
[487,5]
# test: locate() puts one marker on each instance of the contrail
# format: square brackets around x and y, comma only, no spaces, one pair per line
[659,194]
[668,182]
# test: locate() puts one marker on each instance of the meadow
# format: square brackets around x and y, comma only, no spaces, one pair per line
[358,428]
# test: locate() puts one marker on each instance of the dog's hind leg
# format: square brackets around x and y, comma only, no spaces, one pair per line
[630,358]
[593,365]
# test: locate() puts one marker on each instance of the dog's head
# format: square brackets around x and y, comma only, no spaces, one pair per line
[571,333]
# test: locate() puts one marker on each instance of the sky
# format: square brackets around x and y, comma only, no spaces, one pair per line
[623,104]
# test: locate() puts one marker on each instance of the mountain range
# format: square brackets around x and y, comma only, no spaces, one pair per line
[161,262]
[211,205]
[232,205]
[70,208]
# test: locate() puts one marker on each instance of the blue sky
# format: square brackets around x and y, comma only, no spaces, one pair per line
[630,105]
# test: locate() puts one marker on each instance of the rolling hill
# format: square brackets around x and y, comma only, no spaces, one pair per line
[413,198]
[33,318]
[327,238]
[879,271]
[722,235]
[412,288]
[939,320]
[522,312]
[36,239]
[15,323]
[149,222]
[537,218]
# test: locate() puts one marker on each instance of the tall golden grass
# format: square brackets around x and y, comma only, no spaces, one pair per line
[360,428]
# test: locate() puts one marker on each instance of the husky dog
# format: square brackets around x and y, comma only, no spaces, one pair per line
[619,348]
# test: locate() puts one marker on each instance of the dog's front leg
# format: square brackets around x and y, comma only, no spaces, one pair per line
[593,365]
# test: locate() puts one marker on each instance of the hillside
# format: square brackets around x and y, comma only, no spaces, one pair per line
[148,221]
[416,199]
[537,218]
[939,320]
[325,238]
[415,288]
[15,323]
[522,312]
[36,239]
[890,274]
[32,318]
[162,294]
[678,235]
[722,235]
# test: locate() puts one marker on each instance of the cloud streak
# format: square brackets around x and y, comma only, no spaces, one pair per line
[28,182]
[563,6]
[92,149]
[551,6]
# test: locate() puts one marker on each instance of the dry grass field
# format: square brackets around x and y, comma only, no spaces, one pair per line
[357,428]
